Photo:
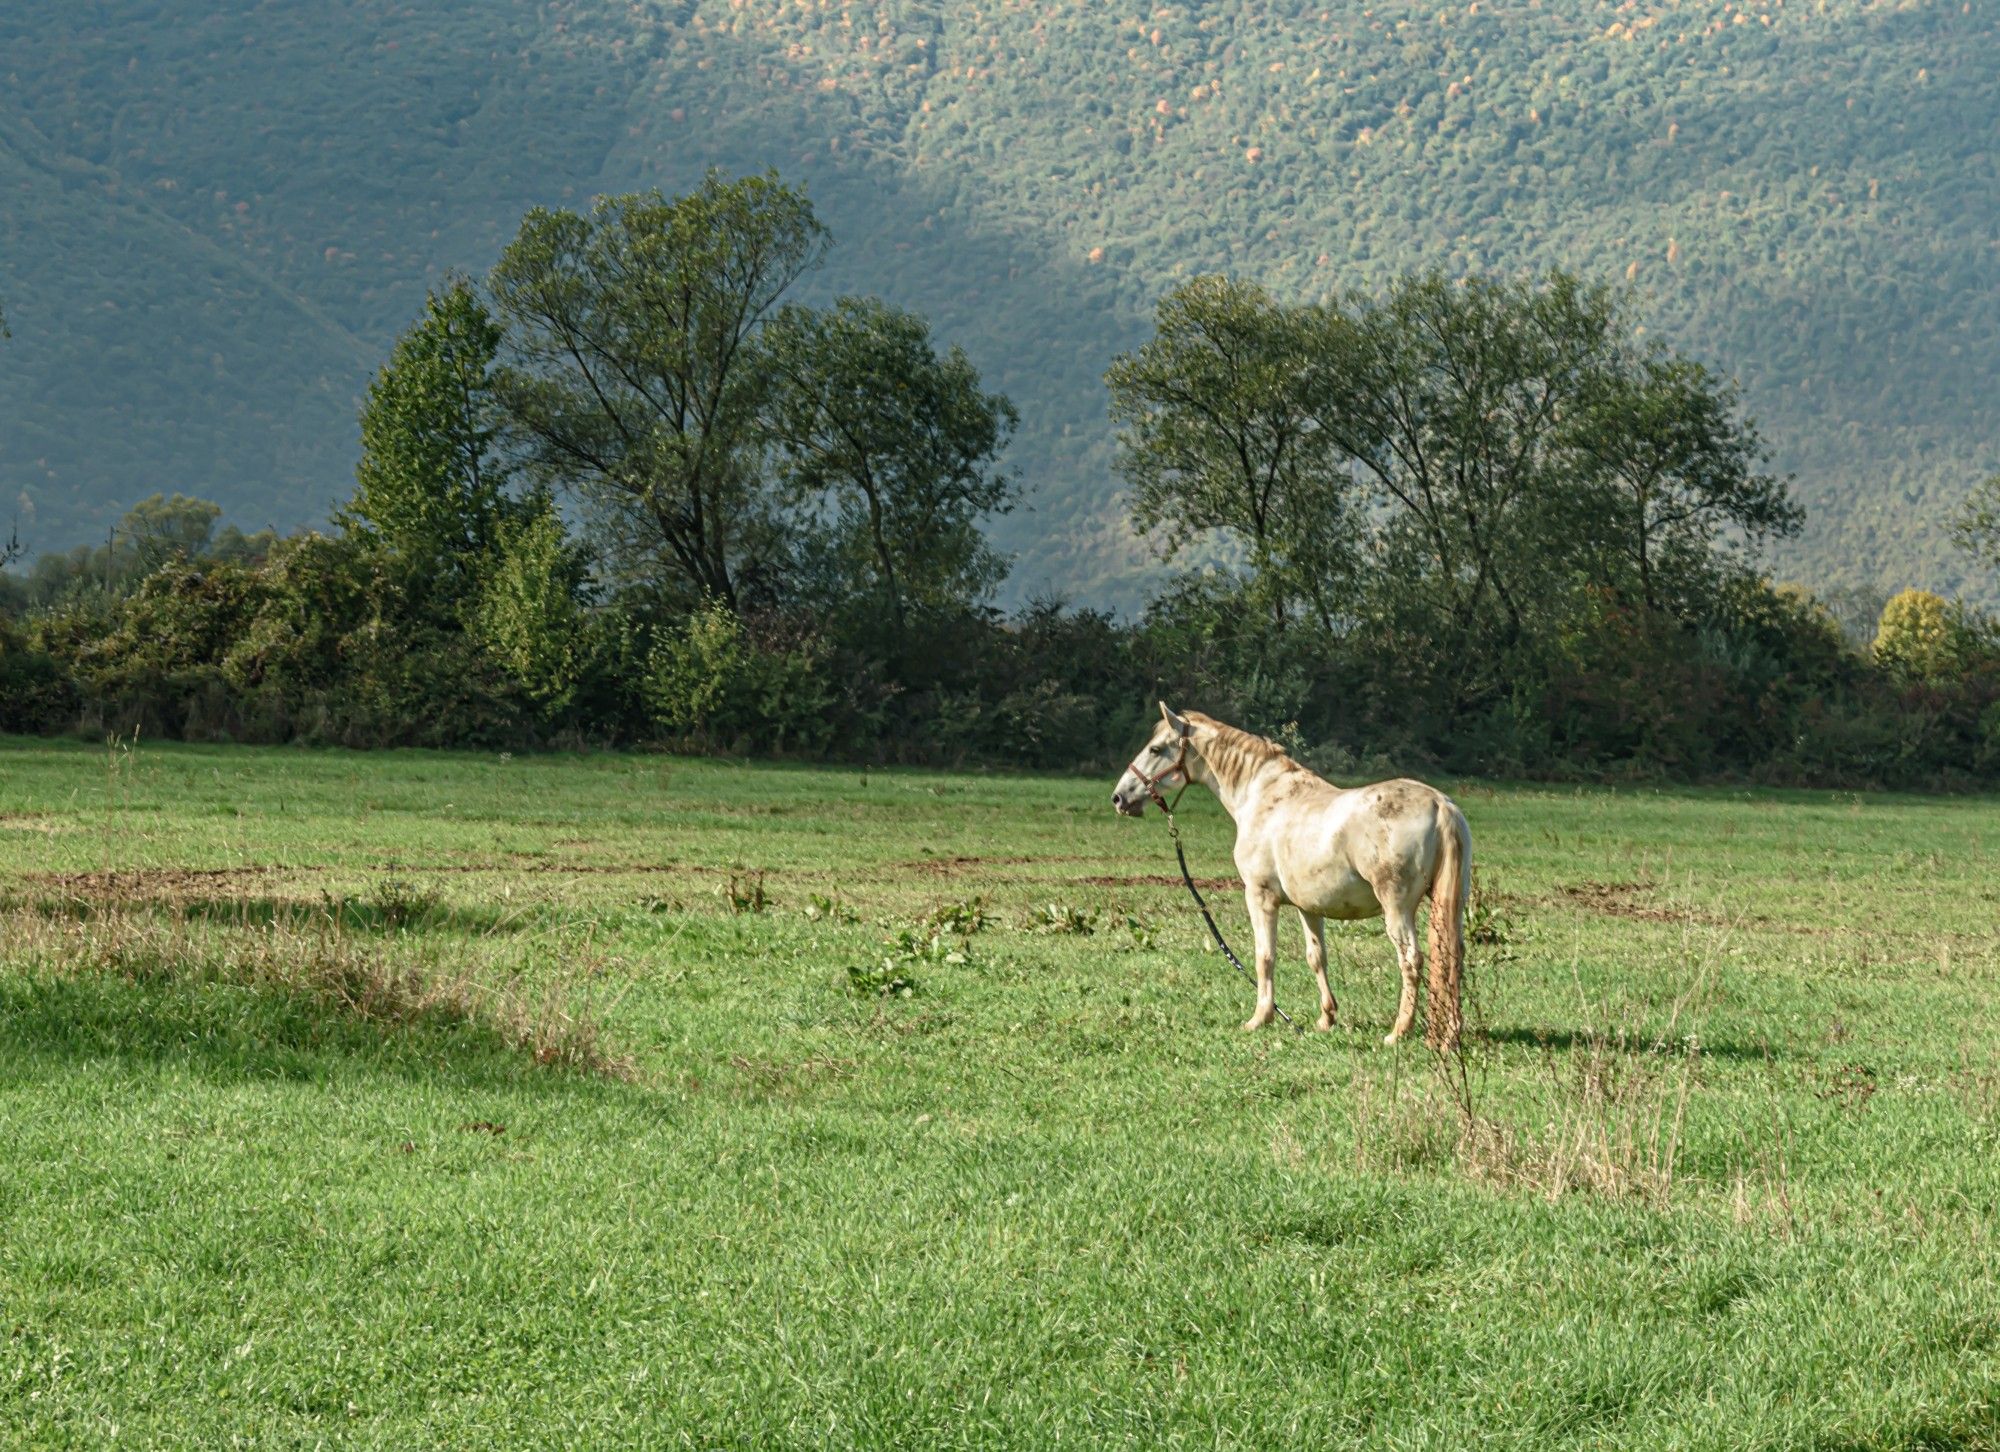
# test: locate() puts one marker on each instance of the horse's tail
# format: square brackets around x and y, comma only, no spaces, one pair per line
[1450,884]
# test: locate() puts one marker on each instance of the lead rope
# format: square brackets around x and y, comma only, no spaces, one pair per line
[1180,852]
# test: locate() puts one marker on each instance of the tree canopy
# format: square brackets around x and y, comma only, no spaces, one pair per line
[1221,433]
[902,443]
[1452,460]
[432,479]
[633,370]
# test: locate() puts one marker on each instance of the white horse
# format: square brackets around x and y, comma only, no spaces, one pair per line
[1328,852]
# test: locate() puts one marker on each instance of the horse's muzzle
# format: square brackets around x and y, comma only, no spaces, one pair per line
[1134,808]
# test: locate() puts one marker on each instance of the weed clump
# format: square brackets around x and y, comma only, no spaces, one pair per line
[1058,917]
[961,918]
[399,904]
[822,908]
[885,980]
[745,893]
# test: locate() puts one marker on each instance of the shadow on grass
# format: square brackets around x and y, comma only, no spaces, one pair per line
[366,915]
[1569,1039]
[50,1024]
[377,916]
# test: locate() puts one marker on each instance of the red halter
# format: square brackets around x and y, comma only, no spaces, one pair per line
[1153,782]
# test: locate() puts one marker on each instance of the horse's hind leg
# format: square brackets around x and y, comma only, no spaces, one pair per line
[1400,920]
[1315,927]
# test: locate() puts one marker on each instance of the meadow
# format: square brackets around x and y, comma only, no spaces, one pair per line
[404,1099]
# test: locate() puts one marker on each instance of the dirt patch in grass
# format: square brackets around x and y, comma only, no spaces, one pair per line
[140,883]
[1622,900]
[135,883]
[538,866]
[1161,879]
[952,866]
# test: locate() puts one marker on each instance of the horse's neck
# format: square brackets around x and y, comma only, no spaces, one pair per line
[1228,770]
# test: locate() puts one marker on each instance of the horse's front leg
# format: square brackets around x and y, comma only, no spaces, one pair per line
[1263,905]
[1315,927]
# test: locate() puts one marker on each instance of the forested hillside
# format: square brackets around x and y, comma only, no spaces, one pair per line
[216,224]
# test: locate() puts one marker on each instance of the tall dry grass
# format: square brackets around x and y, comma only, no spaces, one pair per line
[1607,1115]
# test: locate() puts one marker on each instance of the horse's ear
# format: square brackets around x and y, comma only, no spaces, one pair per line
[1182,726]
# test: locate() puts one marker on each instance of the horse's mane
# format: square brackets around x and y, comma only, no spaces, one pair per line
[1230,740]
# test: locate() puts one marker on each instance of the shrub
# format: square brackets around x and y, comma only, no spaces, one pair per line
[528,616]
[709,681]
[1918,636]
[36,693]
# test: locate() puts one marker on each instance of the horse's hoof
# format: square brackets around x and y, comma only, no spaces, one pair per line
[1253,1023]
[1392,1039]
[1324,1023]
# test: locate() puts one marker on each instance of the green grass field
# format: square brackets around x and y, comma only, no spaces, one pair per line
[411,1099]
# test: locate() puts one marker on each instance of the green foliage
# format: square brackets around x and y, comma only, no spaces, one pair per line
[1678,466]
[710,680]
[824,908]
[1520,447]
[530,616]
[901,444]
[1062,917]
[160,668]
[1470,480]
[152,534]
[431,488]
[961,919]
[634,374]
[37,693]
[886,979]
[1222,434]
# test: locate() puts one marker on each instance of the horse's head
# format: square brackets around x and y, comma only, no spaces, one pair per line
[1159,767]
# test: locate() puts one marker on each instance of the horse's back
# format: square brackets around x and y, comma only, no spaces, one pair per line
[1398,805]
[1335,850]
[1392,831]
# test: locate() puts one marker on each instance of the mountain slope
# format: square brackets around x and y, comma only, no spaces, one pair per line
[1803,193]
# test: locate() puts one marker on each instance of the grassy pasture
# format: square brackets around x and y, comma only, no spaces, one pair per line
[415,1099]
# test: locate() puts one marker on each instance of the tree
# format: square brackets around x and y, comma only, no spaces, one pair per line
[901,443]
[431,484]
[1663,436]
[1450,397]
[633,373]
[158,530]
[530,615]
[1220,433]
[1921,636]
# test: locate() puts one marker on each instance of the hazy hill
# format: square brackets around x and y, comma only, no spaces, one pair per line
[213,225]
